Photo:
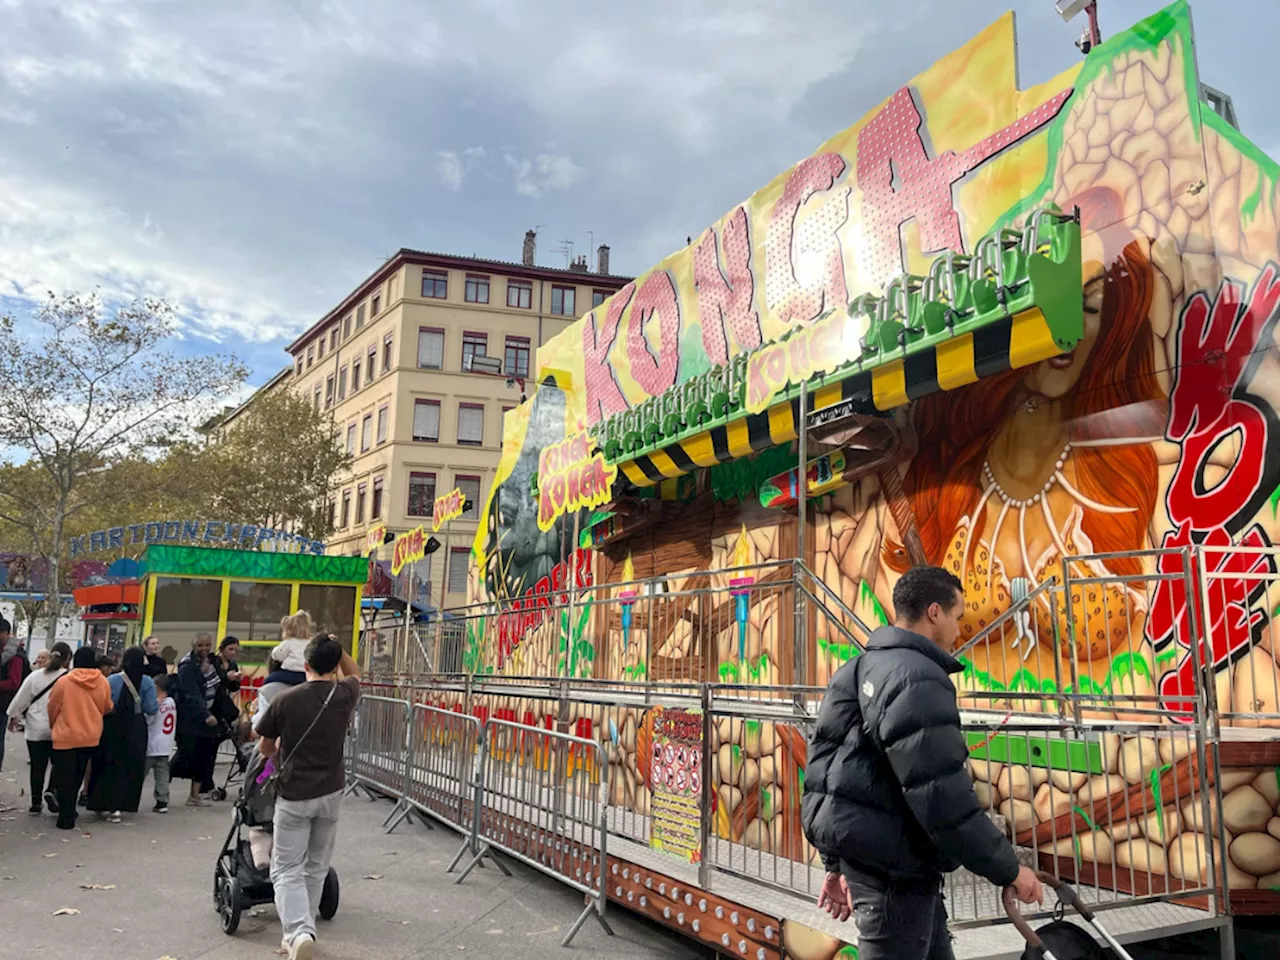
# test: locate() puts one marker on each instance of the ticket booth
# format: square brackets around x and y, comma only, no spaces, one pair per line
[244,593]
[110,614]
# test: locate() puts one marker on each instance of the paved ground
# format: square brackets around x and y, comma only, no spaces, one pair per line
[397,901]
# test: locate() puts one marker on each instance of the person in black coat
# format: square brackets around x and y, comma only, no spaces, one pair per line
[153,663]
[199,685]
[888,802]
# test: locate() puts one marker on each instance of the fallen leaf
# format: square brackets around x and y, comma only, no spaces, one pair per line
[48,855]
[116,930]
[6,818]
[97,886]
[374,876]
[66,912]
[8,878]
[87,836]
[64,840]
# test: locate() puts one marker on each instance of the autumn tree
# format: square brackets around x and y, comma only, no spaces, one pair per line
[85,388]
[276,465]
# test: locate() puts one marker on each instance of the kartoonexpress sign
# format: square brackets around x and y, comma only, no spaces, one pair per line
[215,533]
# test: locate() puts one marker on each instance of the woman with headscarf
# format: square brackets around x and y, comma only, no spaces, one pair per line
[77,705]
[115,783]
[198,687]
[30,707]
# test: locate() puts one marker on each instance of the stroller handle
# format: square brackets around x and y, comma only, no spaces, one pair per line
[1066,893]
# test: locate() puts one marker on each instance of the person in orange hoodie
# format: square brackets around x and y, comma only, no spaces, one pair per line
[76,707]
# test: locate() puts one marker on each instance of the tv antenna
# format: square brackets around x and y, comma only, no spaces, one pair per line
[591,249]
[566,247]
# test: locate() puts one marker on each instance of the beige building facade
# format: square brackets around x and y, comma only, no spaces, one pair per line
[416,367]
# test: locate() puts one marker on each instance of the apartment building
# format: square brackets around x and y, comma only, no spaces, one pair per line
[414,366]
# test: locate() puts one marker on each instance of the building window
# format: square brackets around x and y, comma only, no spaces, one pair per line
[430,348]
[435,285]
[386,353]
[517,358]
[361,492]
[598,297]
[346,510]
[377,306]
[311,357]
[333,514]
[426,420]
[328,392]
[477,290]
[562,301]
[346,327]
[375,505]
[355,375]
[383,416]
[366,432]
[471,423]
[459,557]
[360,316]
[297,367]
[519,294]
[372,368]
[473,345]
[470,487]
[351,438]
[342,384]
[422,494]
[333,339]
[317,397]
[320,346]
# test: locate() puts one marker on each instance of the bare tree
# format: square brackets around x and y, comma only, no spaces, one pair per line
[83,386]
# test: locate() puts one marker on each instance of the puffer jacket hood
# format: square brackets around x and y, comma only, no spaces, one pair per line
[887,793]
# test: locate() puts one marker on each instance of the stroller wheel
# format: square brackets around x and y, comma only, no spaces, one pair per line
[217,794]
[229,908]
[329,896]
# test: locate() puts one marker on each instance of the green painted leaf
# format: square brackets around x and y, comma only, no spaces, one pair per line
[868,596]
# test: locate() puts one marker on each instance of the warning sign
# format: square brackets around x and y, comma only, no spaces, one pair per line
[676,771]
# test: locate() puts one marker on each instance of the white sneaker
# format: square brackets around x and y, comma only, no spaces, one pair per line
[303,948]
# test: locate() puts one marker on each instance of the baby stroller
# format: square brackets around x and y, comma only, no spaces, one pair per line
[238,883]
[242,752]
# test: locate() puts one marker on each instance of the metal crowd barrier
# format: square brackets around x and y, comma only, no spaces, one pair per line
[540,797]
[378,759]
[439,775]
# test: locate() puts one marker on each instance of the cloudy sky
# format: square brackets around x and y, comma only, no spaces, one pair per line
[253,161]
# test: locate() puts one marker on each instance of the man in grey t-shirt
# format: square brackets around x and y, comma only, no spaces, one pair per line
[305,729]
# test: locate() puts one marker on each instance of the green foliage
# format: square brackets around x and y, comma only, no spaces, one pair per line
[741,479]
[838,650]
[575,648]
[732,672]
[254,564]
[868,596]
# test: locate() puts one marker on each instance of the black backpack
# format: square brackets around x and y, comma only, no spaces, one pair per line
[1066,941]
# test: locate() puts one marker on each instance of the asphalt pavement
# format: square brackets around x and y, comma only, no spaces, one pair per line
[143,890]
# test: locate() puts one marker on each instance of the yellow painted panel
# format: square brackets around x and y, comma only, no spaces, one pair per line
[635,474]
[889,385]
[782,425]
[955,362]
[739,441]
[701,450]
[828,396]
[665,464]
[1031,340]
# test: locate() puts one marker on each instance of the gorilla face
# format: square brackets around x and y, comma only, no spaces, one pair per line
[519,553]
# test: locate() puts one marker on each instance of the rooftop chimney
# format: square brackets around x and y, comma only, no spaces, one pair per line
[530,247]
[579,265]
[602,259]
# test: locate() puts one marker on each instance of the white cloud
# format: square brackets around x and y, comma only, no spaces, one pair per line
[453,169]
[547,171]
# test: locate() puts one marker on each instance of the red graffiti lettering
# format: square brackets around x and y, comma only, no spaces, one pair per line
[529,612]
[804,265]
[656,295]
[1218,353]
[899,181]
[726,298]
[604,398]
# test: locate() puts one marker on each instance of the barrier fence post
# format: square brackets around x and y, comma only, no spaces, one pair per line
[708,789]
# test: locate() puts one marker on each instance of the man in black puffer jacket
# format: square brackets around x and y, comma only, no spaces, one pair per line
[888,802]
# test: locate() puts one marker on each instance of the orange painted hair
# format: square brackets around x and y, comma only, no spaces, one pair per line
[944,482]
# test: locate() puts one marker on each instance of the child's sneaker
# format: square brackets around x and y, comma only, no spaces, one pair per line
[160,808]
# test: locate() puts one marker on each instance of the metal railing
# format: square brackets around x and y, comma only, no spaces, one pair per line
[539,798]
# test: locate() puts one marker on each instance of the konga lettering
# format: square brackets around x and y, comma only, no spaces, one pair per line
[1220,347]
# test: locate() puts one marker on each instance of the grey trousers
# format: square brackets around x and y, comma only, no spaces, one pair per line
[158,767]
[303,833]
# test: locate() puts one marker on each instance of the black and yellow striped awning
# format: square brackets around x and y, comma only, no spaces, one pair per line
[1005,344]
